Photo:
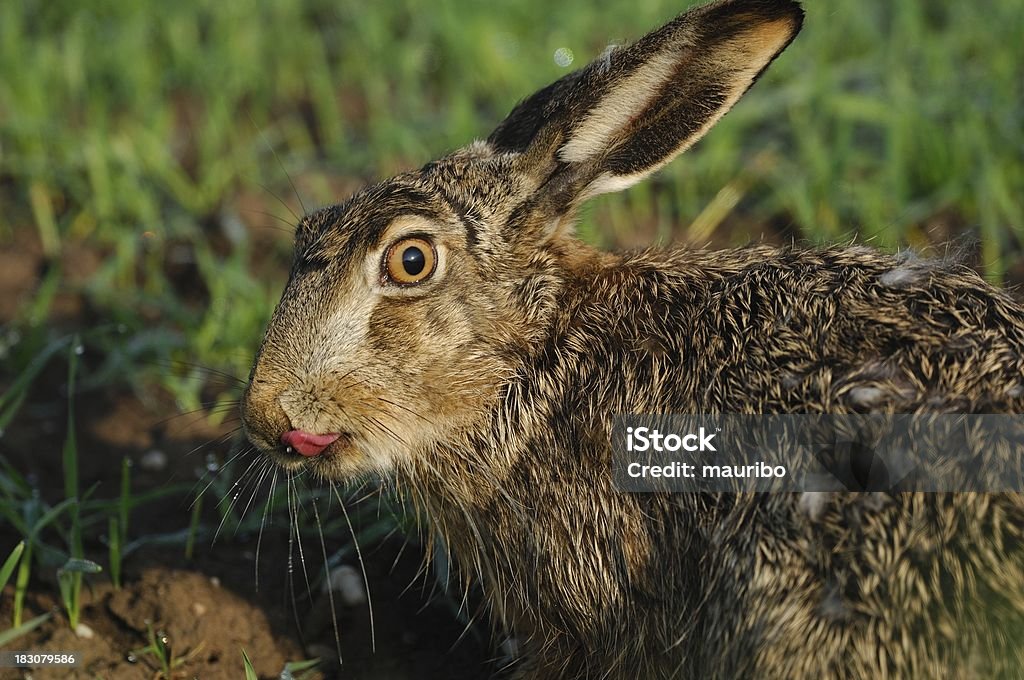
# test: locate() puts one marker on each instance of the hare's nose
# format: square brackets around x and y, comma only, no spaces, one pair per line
[307,444]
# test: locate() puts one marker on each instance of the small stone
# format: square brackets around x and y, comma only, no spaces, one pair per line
[346,581]
[215,581]
[198,609]
[153,460]
[83,631]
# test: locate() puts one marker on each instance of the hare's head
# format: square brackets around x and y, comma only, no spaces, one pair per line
[407,305]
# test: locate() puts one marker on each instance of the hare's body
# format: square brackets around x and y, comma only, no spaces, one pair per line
[605,584]
[444,330]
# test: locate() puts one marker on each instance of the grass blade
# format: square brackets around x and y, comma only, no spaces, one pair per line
[70,576]
[115,544]
[10,401]
[21,583]
[250,672]
[13,634]
[10,563]
[300,669]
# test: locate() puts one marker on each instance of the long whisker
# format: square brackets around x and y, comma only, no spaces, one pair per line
[220,468]
[381,427]
[234,496]
[263,522]
[200,413]
[292,535]
[279,199]
[278,159]
[362,567]
[404,408]
[291,225]
[327,581]
[261,476]
[181,363]
[294,502]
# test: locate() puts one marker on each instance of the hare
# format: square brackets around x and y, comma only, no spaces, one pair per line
[443,331]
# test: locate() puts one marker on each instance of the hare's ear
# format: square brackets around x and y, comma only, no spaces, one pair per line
[611,124]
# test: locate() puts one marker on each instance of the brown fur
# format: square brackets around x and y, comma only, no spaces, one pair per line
[485,394]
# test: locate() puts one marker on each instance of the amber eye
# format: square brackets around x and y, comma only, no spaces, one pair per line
[410,260]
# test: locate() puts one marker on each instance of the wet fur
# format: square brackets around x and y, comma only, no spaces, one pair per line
[485,396]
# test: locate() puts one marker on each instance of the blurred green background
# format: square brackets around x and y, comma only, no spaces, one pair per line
[153,156]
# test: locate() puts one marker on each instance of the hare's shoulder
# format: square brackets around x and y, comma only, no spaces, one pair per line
[765,329]
[754,293]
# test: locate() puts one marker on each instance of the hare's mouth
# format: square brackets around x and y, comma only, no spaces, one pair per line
[307,443]
[297,448]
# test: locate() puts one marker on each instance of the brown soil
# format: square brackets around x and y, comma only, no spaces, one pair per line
[209,607]
[209,611]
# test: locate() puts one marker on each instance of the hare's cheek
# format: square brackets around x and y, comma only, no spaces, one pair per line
[395,334]
[341,337]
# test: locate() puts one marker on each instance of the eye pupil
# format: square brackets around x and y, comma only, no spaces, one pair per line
[410,261]
[413,260]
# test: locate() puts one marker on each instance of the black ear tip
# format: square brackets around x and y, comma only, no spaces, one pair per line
[767,10]
[728,16]
[796,11]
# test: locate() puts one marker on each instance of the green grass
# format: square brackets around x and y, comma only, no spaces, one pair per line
[117,524]
[161,134]
[11,634]
[293,670]
[23,509]
[158,654]
[53,536]
[12,561]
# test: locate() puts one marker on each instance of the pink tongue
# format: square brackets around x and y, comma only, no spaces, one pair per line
[307,444]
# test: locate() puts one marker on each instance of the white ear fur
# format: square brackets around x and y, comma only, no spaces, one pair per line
[648,91]
[635,108]
[618,108]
